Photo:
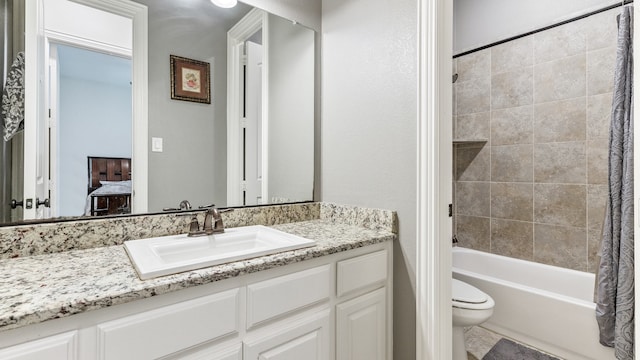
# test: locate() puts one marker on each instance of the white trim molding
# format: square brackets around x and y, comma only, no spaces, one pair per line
[433,233]
[255,20]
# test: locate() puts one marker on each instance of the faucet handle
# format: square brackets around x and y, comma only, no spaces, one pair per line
[194,226]
[207,206]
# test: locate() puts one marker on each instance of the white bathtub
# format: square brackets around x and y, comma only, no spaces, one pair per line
[548,307]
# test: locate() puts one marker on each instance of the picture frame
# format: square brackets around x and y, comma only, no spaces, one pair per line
[190,80]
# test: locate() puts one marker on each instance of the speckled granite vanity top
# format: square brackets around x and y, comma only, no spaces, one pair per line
[53,285]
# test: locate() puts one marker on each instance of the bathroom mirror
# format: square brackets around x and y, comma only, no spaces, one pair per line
[188,146]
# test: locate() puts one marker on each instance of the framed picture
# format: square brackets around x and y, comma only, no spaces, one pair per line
[190,80]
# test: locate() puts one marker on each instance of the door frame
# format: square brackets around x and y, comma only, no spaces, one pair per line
[35,52]
[434,180]
[255,20]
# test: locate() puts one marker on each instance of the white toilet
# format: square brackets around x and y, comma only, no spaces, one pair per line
[470,307]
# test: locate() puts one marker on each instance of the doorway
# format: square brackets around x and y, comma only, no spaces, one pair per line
[91,115]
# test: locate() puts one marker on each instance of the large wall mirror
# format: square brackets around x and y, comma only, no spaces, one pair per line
[93,155]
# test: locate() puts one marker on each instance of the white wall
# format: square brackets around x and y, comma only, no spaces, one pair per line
[70,18]
[477,23]
[88,107]
[369,124]
[305,12]
[291,110]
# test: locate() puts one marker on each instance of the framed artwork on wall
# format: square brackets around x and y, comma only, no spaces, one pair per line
[190,80]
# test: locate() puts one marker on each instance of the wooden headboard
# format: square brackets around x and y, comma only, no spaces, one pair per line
[107,169]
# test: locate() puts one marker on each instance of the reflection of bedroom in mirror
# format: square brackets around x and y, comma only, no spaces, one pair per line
[93,121]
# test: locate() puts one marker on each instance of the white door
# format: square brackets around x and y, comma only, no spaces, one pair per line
[36,153]
[307,339]
[361,327]
[58,347]
[253,125]
[53,104]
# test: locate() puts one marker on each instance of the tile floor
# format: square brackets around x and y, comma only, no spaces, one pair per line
[479,341]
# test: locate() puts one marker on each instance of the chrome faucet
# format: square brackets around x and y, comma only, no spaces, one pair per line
[184,205]
[212,222]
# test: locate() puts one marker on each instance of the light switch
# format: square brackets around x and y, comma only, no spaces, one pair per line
[156,144]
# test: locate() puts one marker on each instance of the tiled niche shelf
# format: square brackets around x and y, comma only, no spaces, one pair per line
[469,141]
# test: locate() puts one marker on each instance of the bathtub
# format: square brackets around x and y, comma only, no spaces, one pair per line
[547,307]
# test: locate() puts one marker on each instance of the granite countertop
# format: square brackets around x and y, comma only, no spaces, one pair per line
[37,288]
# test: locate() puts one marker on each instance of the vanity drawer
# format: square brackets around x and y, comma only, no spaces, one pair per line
[273,298]
[163,331]
[361,272]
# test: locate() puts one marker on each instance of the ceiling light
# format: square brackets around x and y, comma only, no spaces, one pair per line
[225,3]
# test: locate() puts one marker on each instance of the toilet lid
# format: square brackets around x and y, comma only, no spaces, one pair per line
[463,292]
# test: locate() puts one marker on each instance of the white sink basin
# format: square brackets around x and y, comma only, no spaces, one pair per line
[173,254]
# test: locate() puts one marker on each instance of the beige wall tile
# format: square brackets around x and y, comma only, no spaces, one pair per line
[512,201]
[473,126]
[475,65]
[512,163]
[473,232]
[512,238]
[512,126]
[596,203]
[560,162]
[512,89]
[473,96]
[601,29]
[600,70]
[560,204]
[559,42]
[599,115]
[560,79]
[567,72]
[454,102]
[512,55]
[593,248]
[563,120]
[597,161]
[472,198]
[472,163]
[560,246]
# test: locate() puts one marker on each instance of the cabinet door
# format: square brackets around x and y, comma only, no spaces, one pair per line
[170,329]
[215,352]
[57,347]
[306,339]
[361,327]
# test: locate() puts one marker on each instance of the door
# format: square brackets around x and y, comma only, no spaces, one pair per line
[361,327]
[306,339]
[53,105]
[36,152]
[253,125]
[58,347]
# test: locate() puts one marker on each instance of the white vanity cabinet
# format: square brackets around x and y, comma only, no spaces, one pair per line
[159,332]
[333,307]
[362,321]
[56,347]
[306,338]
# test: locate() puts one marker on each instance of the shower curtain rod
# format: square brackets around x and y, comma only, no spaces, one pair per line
[606,8]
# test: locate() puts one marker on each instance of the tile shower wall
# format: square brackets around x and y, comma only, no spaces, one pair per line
[536,188]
